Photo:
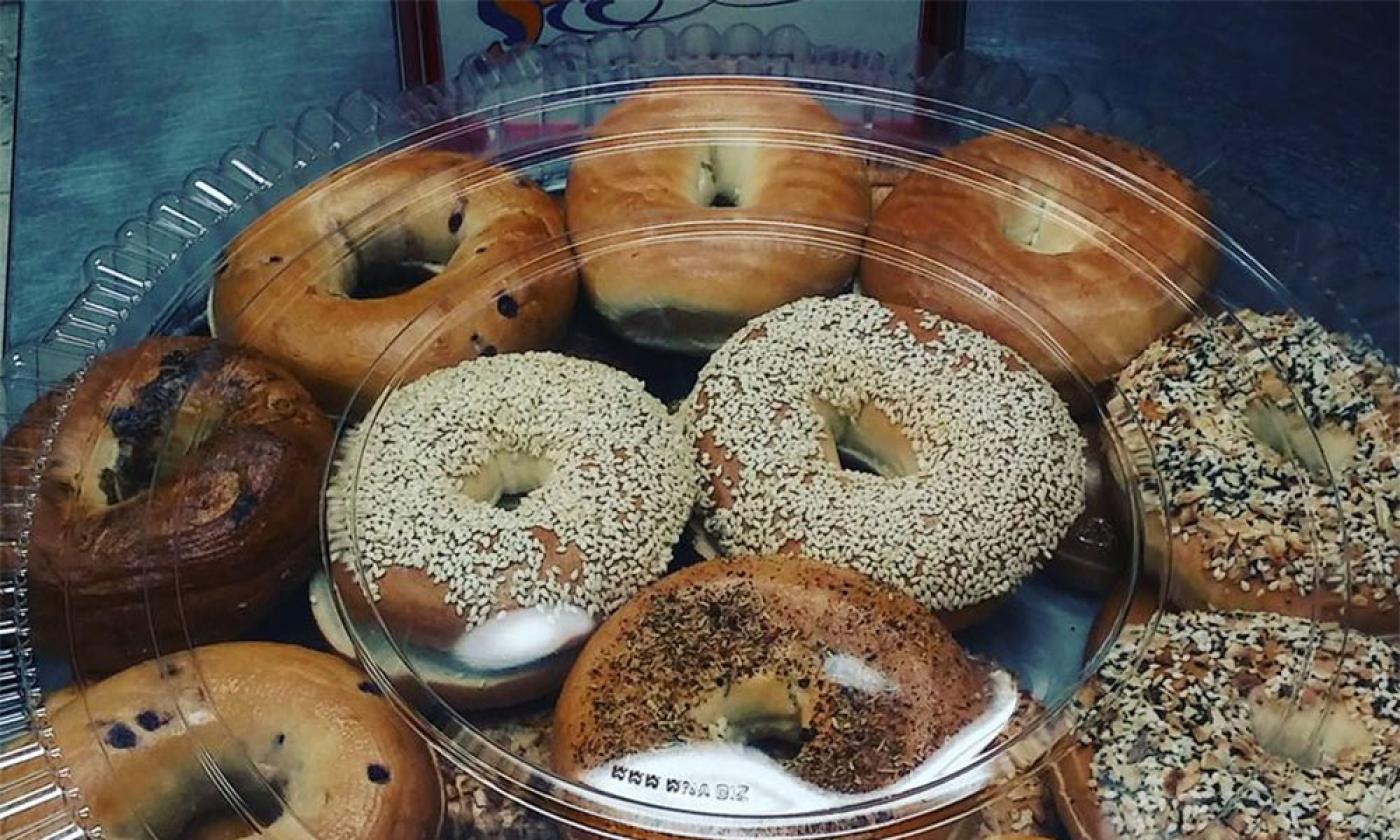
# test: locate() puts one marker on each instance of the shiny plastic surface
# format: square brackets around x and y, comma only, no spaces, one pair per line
[482,640]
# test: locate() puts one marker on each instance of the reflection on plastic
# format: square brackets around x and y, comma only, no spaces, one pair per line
[519,638]
[742,781]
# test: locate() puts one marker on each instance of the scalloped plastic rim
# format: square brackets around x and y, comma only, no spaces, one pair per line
[138,280]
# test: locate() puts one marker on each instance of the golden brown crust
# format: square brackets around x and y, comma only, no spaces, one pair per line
[508,284]
[1074,796]
[790,168]
[1193,587]
[316,731]
[180,494]
[768,619]
[1101,310]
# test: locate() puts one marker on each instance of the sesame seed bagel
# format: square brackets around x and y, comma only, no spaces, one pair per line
[178,502]
[1237,725]
[1256,509]
[302,737]
[711,154]
[979,469]
[984,207]
[419,514]
[328,280]
[859,681]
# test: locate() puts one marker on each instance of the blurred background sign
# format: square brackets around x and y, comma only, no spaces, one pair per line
[436,34]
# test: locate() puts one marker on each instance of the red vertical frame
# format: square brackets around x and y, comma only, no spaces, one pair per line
[420,42]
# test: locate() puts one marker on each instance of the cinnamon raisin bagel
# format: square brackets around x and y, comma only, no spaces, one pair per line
[303,739]
[330,278]
[703,160]
[180,495]
[1080,229]
[793,685]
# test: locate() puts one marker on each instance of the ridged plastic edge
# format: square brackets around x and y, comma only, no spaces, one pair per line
[36,798]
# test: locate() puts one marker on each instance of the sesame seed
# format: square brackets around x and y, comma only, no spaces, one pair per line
[1265,519]
[1177,747]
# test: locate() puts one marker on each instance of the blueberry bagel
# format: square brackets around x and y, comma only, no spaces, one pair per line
[302,740]
[374,257]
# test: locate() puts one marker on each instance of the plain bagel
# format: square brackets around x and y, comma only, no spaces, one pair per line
[702,163]
[380,256]
[1075,228]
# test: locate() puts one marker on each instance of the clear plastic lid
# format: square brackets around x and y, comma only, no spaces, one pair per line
[703,435]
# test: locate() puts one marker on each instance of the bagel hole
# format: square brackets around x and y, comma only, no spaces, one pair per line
[153,436]
[1309,737]
[226,807]
[866,442]
[857,462]
[508,479]
[719,175]
[1287,433]
[385,278]
[765,713]
[1036,228]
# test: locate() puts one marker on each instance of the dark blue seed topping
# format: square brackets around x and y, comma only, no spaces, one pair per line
[506,305]
[370,688]
[378,773]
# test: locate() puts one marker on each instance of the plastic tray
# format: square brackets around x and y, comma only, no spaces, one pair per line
[530,111]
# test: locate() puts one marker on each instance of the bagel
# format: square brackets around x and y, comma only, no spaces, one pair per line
[303,740]
[978,468]
[493,512]
[1081,231]
[1236,725]
[179,497]
[703,162]
[757,686]
[374,257]
[1242,500]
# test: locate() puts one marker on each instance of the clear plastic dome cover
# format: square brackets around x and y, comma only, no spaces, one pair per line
[705,434]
